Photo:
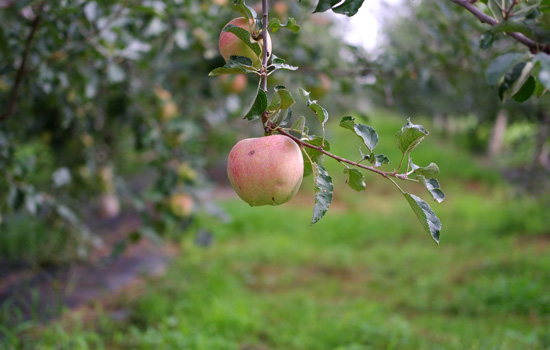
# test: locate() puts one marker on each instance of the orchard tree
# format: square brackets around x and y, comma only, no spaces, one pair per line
[105,107]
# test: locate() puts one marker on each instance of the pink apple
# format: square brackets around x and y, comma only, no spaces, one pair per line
[266,170]
[231,45]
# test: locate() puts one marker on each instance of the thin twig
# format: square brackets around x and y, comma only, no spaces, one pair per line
[12,103]
[508,12]
[484,18]
[340,159]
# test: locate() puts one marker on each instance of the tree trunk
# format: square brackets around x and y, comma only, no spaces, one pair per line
[537,168]
[497,134]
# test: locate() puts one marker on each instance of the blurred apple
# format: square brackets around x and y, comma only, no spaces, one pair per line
[231,45]
[233,84]
[109,206]
[181,205]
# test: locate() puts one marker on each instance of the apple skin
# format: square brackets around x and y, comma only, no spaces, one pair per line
[231,45]
[266,170]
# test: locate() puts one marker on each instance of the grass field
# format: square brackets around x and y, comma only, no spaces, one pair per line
[364,277]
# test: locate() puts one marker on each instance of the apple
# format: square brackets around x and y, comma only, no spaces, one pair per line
[266,170]
[280,8]
[109,206]
[231,45]
[181,205]
[233,84]
[318,85]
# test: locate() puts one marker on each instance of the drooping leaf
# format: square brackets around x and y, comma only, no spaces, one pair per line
[486,41]
[356,179]
[514,79]
[324,5]
[380,159]
[299,124]
[286,118]
[410,136]
[425,214]
[243,9]
[323,192]
[319,111]
[244,35]
[526,90]
[235,65]
[258,106]
[544,69]
[501,65]
[365,132]
[432,185]
[285,96]
[278,63]
[509,26]
[348,7]
[315,155]
[429,170]
[275,24]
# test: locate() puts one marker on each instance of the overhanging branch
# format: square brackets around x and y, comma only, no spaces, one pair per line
[533,46]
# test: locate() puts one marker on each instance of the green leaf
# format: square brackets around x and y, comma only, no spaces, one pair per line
[323,192]
[511,27]
[429,170]
[425,214]
[544,70]
[244,35]
[324,5]
[514,79]
[539,89]
[432,185]
[319,111]
[410,136]
[258,106]
[379,160]
[347,122]
[526,90]
[356,180]
[278,63]
[285,96]
[243,9]
[365,132]
[287,118]
[348,8]
[299,124]
[495,9]
[235,65]
[316,156]
[274,24]
[486,41]
[501,65]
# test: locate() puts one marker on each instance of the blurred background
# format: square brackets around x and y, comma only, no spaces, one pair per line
[119,230]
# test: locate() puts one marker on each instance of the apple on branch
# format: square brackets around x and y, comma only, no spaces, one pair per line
[231,45]
[266,170]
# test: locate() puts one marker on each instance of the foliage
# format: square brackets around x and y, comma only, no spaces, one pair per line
[101,98]
[408,138]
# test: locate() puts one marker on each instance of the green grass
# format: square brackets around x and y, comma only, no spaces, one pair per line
[364,277]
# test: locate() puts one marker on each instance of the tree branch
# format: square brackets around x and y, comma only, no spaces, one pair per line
[533,46]
[263,82]
[342,160]
[12,102]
